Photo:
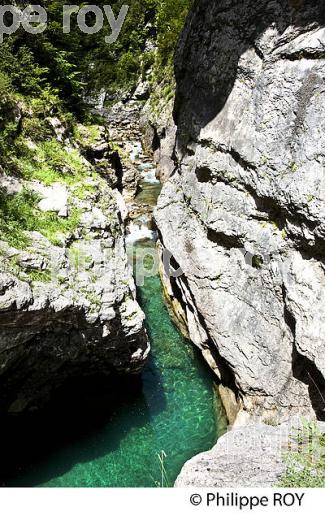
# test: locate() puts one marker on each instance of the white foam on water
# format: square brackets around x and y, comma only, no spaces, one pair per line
[150,176]
[136,151]
[146,166]
[139,231]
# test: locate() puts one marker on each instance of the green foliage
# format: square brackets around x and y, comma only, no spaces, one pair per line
[19,64]
[5,89]
[8,123]
[82,192]
[48,75]
[70,65]
[87,135]
[118,67]
[47,62]
[257,261]
[306,462]
[54,228]
[38,275]
[16,216]
[170,20]
[19,214]
[294,167]
[51,162]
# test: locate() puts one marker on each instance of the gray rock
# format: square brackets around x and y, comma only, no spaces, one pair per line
[249,456]
[54,198]
[11,185]
[57,128]
[243,212]
[142,91]
[124,131]
[159,133]
[14,294]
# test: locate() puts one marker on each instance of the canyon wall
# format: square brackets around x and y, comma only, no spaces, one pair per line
[67,296]
[243,209]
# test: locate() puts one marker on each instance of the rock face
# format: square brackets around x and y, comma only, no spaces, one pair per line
[159,132]
[124,130]
[243,213]
[244,457]
[68,306]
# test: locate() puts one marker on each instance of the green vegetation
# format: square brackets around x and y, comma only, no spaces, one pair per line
[19,213]
[50,74]
[257,261]
[47,77]
[69,65]
[86,135]
[82,192]
[294,167]
[16,216]
[51,162]
[38,275]
[270,421]
[164,481]
[170,20]
[306,460]
[119,66]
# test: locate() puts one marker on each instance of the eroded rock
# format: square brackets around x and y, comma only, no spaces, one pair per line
[243,212]
[68,306]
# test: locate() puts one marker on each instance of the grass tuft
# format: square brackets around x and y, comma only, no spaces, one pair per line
[19,215]
[306,462]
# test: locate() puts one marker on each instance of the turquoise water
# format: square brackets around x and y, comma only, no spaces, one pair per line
[174,414]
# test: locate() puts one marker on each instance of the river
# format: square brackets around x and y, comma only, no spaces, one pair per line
[145,441]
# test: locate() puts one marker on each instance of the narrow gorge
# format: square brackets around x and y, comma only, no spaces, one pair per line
[171,411]
[162,248]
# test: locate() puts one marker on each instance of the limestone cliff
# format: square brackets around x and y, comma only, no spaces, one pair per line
[243,211]
[67,296]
